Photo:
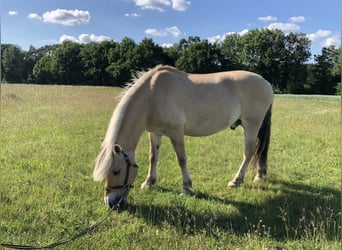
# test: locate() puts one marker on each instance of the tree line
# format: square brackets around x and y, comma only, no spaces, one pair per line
[282,59]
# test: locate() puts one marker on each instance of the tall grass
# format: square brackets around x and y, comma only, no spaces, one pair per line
[50,136]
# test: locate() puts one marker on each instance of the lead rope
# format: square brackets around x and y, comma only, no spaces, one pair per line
[62,242]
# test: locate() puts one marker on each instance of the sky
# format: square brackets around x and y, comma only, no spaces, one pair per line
[45,22]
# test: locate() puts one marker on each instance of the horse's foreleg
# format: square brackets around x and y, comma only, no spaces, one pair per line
[155,143]
[250,133]
[177,140]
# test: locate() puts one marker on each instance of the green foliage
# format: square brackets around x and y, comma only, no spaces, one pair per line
[338,89]
[196,56]
[277,57]
[42,71]
[95,58]
[327,71]
[280,58]
[13,64]
[50,136]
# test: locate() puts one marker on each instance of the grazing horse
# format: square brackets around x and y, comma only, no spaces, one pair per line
[168,102]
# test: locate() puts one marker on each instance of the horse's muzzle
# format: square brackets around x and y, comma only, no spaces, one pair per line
[115,201]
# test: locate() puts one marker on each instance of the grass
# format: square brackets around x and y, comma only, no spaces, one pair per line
[50,136]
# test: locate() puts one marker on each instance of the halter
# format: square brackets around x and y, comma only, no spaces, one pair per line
[128,167]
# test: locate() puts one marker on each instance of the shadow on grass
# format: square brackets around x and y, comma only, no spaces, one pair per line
[297,211]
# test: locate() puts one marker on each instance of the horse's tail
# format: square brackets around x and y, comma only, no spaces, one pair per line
[263,141]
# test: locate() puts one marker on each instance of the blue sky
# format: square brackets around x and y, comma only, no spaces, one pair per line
[42,22]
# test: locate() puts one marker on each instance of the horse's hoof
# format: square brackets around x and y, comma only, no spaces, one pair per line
[146,185]
[187,191]
[234,183]
[258,178]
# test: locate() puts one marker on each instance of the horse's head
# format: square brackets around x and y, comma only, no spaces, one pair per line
[114,165]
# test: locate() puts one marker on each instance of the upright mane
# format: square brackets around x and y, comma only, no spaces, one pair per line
[104,159]
[130,88]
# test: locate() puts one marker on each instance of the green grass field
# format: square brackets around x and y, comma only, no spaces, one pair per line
[50,137]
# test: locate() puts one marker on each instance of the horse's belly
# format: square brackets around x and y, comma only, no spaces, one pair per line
[206,125]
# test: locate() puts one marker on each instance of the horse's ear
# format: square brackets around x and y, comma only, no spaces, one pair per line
[117,149]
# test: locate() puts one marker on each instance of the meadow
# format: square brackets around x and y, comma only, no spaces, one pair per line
[50,137]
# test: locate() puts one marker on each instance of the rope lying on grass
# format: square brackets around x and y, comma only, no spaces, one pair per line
[80,234]
[62,242]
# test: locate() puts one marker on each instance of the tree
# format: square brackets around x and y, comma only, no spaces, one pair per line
[231,49]
[171,54]
[67,63]
[13,64]
[121,60]
[262,52]
[327,71]
[95,61]
[278,57]
[198,56]
[294,67]
[148,55]
[31,57]
[43,70]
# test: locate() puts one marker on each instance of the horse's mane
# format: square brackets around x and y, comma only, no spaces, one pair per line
[140,76]
[104,159]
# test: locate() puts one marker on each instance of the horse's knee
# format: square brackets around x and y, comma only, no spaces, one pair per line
[182,161]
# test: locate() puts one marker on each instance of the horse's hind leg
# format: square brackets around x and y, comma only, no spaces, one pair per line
[155,143]
[250,133]
[262,167]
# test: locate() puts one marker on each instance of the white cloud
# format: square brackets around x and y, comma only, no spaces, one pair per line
[216,39]
[161,5]
[267,18]
[133,15]
[13,13]
[84,38]
[167,45]
[243,32]
[173,31]
[333,40]
[153,32]
[67,17]
[158,5]
[297,19]
[34,16]
[319,35]
[64,38]
[285,27]
[220,38]
[325,38]
[180,5]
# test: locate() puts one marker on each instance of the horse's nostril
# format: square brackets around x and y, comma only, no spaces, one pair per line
[112,200]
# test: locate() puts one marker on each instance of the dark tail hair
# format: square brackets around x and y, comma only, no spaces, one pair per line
[263,141]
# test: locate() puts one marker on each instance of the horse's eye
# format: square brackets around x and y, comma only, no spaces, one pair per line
[116,172]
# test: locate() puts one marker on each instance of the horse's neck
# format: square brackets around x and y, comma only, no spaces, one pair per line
[128,121]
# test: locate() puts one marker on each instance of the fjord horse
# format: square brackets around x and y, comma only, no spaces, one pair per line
[168,102]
